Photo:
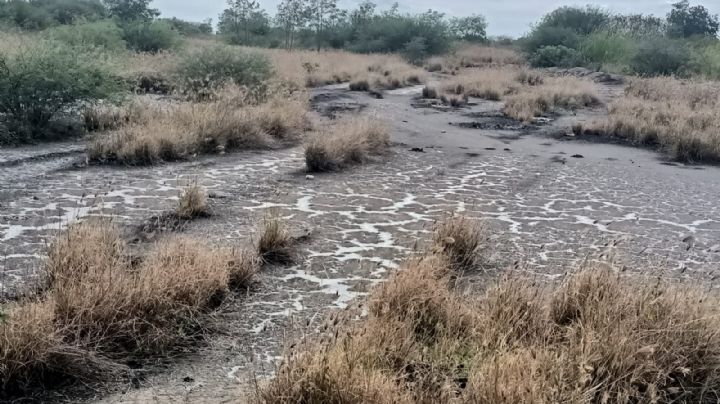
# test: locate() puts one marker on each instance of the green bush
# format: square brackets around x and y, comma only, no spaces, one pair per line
[102,34]
[544,36]
[24,15]
[150,36]
[582,21]
[42,84]
[604,48]
[415,51]
[661,57]
[560,56]
[207,69]
[706,60]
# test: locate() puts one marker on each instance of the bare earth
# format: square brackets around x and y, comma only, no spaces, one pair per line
[550,200]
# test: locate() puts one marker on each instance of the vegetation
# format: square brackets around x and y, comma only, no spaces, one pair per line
[684,43]
[679,117]
[101,306]
[38,85]
[183,130]
[345,143]
[597,336]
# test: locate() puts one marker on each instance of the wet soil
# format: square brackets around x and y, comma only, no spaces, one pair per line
[551,200]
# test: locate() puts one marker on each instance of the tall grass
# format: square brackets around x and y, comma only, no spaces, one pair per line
[598,336]
[102,305]
[680,117]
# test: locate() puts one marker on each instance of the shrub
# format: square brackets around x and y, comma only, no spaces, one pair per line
[560,56]
[606,48]
[550,36]
[39,84]
[583,21]
[102,34]
[208,69]
[415,51]
[660,57]
[153,36]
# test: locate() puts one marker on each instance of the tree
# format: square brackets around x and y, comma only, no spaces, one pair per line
[241,19]
[583,21]
[685,21]
[472,28]
[291,15]
[131,10]
[319,14]
[363,14]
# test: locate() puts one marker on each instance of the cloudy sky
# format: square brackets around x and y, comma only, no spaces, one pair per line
[505,17]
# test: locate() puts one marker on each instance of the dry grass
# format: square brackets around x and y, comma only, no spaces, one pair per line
[599,336]
[192,203]
[474,56]
[555,93]
[682,118]
[333,67]
[100,305]
[276,245]
[183,130]
[527,93]
[346,142]
[103,117]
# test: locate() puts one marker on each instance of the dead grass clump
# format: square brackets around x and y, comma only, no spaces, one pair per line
[346,142]
[599,336]
[101,306]
[184,130]
[487,83]
[430,92]
[276,245]
[359,85]
[556,93]
[682,118]
[103,117]
[454,100]
[332,67]
[192,203]
[461,240]
[473,56]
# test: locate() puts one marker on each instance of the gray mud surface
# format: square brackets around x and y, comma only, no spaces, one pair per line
[551,202]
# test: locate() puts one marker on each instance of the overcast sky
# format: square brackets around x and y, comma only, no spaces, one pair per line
[505,17]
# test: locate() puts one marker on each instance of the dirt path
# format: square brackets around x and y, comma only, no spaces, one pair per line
[548,211]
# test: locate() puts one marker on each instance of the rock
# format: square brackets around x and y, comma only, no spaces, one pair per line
[577,156]
[417,150]
[309,177]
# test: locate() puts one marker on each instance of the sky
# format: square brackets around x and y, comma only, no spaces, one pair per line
[505,17]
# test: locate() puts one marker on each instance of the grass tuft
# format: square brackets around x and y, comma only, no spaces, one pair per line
[192,203]
[346,142]
[276,245]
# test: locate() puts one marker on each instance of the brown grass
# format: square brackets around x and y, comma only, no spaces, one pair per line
[192,203]
[346,142]
[598,336]
[183,130]
[527,93]
[682,118]
[276,245]
[470,55]
[101,305]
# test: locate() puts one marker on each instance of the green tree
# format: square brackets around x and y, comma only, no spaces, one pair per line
[685,21]
[131,10]
[471,28]
[320,13]
[291,15]
[243,19]
[581,20]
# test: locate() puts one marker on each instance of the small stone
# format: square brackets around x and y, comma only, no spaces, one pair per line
[577,156]
[309,177]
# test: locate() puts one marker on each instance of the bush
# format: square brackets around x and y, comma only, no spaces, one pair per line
[151,37]
[606,48]
[550,36]
[583,21]
[660,57]
[102,34]
[39,84]
[208,69]
[560,56]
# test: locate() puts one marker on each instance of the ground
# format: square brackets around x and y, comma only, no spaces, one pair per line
[550,201]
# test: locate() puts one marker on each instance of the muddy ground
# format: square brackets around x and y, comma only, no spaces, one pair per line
[550,202]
